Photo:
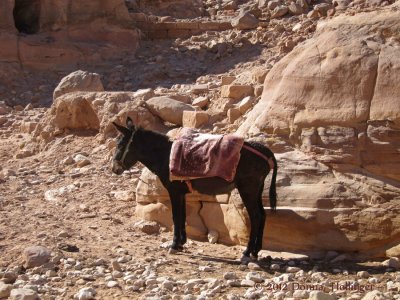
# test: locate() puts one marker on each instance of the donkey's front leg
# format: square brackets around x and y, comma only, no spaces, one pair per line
[183,221]
[178,217]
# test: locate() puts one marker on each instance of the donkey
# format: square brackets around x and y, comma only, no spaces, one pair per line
[153,149]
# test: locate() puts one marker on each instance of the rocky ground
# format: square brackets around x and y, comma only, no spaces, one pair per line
[66,200]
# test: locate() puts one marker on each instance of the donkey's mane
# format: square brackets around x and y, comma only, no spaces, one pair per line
[152,134]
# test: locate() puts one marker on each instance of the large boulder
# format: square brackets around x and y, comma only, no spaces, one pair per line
[79,81]
[168,109]
[338,94]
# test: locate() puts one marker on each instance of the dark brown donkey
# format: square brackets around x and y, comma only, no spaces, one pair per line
[153,150]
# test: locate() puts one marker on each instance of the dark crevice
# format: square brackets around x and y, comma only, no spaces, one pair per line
[27,16]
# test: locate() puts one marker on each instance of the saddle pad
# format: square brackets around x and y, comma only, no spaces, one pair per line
[198,155]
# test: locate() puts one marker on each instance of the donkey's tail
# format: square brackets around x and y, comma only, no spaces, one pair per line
[272,188]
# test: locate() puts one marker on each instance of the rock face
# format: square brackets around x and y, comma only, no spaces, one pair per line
[334,101]
[57,34]
[332,107]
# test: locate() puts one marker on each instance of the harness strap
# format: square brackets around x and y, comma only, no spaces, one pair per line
[189,185]
[126,150]
[268,159]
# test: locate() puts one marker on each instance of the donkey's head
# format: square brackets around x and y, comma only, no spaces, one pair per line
[125,155]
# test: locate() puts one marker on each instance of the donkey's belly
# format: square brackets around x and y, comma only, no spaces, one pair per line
[212,186]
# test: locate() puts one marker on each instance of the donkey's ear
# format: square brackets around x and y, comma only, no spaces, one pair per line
[129,123]
[121,129]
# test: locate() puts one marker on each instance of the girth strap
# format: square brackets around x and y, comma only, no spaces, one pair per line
[268,159]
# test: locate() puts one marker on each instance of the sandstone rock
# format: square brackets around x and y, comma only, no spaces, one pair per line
[233,114]
[144,94]
[23,294]
[199,89]
[245,104]
[194,119]
[5,290]
[78,81]
[227,80]
[236,91]
[201,101]
[168,109]
[279,11]
[35,256]
[148,227]
[4,109]
[295,8]
[74,111]
[245,21]
[274,4]
[123,195]
[323,8]
[27,127]
[392,262]
[3,120]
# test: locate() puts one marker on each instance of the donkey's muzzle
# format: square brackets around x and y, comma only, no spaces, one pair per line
[117,167]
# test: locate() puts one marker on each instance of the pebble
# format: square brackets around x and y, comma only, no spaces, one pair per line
[112,284]
[206,269]
[116,266]
[392,262]
[292,269]
[23,294]
[247,283]
[275,267]
[363,274]
[213,236]
[254,276]
[86,293]
[230,276]
[254,267]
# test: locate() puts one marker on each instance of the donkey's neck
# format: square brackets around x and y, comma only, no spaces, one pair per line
[154,150]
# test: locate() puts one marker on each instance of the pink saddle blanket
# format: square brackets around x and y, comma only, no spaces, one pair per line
[198,155]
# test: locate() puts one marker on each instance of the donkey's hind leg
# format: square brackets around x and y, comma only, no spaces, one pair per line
[260,231]
[249,193]
[178,217]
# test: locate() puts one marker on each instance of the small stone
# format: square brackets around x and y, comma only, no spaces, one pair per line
[254,267]
[23,294]
[363,274]
[254,276]
[167,285]
[112,284]
[254,293]
[247,283]
[230,276]
[148,227]
[86,293]
[35,256]
[123,195]
[292,269]
[63,234]
[275,267]
[213,236]
[201,101]
[116,266]
[318,295]
[206,269]
[392,262]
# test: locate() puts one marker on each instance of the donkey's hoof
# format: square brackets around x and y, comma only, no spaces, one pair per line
[253,257]
[172,251]
[245,259]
